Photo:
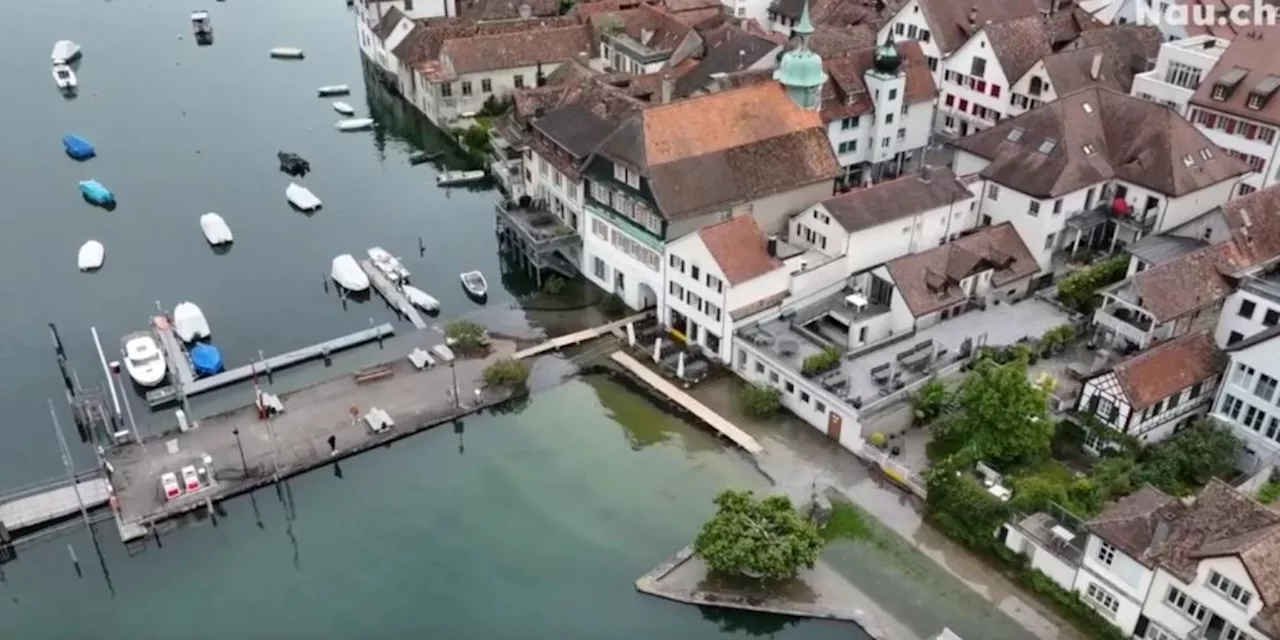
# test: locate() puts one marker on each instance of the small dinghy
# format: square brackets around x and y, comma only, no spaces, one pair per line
[65,51]
[95,193]
[215,229]
[77,147]
[201,24]
[64,77]
[420,298]
[293,164]
[301,197]
[354,124]
[475,284]
[287,53]
[92,253]
[343,108]
[423,157]
[206,360]
[454,178]
[389,265]
[333,90]
[189,322]
[348,274]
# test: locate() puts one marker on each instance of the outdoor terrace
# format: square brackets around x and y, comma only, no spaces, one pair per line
[537,227]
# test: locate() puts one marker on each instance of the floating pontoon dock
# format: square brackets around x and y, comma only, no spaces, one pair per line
[187,385]
[557,343]
[393,295]
[45,505]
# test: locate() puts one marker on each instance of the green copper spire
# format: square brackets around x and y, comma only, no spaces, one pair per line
[805,28]
[800,69]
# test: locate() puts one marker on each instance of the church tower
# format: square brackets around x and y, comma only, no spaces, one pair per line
[801,69]
[886,81]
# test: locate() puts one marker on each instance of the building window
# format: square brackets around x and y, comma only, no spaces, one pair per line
[598,268]
[518,80]
[1253,417]
[715,284]
[599,228]
[466,87]
[1266,388]
[1057,206]
[925,35]
[1186,604]
[1246,309]
[1106,553]
[1183,75]
[1242,375]
[888,118]
[978,67]
[1230,589]
[486,85]
[848,146]
[446,90]
[1234,337]
[676,290]
[885,143]
[677,263]
[1033,209]
[993,192]
[1104,601]
[1271,318]
[893,93]
[1230,406]
[849,123]
[713,311]
[694,272]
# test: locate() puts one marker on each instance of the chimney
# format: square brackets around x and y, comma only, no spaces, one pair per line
[584,58]
[668,87]
[1096,67]
[973,15]
[925,174]
[772,246]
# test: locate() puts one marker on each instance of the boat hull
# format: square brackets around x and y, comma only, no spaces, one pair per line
[91,256]
[347,273]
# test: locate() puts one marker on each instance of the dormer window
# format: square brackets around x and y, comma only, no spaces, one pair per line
[1206,153]
[1088,149]
[1226,85]
[1262,93]
[1015,134]
[1188,160]
[1088,108]
[1048,146]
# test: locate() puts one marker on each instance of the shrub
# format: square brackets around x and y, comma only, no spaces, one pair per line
[554,286]
[821,362]
[506,373]
[1057,339]
[1269,492]
[612,305]
[931,401]
[1079,290]
[761,401]
[467,336]
[878,440]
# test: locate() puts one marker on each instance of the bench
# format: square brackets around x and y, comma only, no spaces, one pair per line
[882,373]
[365,376]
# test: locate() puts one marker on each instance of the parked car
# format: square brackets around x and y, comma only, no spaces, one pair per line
[169,485]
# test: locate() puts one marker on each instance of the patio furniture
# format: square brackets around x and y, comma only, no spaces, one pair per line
[788,347]
[831,383]
[923,345]
[940,355]
[882,374]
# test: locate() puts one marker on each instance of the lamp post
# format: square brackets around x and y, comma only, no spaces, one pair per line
[243,465]
[453,368]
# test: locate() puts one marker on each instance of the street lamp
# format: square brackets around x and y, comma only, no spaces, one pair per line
[243,465]
[453,368]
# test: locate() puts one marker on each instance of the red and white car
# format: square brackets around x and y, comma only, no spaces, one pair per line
[169,485]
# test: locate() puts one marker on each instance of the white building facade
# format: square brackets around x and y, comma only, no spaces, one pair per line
[1178,72]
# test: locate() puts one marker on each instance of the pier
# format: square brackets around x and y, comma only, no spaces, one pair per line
[393,295]
[567,340]
[187,385]
[46,504]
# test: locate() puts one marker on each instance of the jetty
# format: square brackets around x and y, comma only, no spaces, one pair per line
[701,411]
[568,340]
[185,384]
[46,504]
[393,295]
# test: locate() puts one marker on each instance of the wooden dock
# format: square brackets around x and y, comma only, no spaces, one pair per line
[660,384]
[187,385]
[43,507]
[393,295]
[571,339]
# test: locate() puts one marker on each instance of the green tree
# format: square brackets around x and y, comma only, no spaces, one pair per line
[467,336]
[506,372]
[930,402]
[761,401]
[1190,458]
[961,507]
[1080,289]
[765,539]
[1000,417]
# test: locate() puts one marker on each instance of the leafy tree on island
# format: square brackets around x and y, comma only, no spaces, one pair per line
[1000,417]
[758,538]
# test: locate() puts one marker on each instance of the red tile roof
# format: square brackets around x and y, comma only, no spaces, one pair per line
[929,281]
[739,248]
[1160,372]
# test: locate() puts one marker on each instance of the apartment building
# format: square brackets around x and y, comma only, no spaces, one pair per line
[644,40]
[1109,57]
[1179,69]
[943,26]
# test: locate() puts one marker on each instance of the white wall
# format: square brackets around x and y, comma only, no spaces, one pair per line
[1063,573]
[1124,578]
[816,406]
[1159,610]
[1266,174]
[1043,233]
[1183,56]
[1238,394]
[1231,321]
[615,260]
[909,24]
[1022,99]
[964,88]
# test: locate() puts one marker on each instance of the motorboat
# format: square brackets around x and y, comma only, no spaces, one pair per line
[77,147]
[215,229]
[333,90]
[189,322]
[343,108]
[64,77]
[423,157]
[92,253]
[475,284]
[293,164]
[65,51]
[206,360]
[95,193]
[389,265]
[454,178]
[201,24]
[420,298]
[143,359]
[354,124]
[348,274]
[287,53]
[301,197]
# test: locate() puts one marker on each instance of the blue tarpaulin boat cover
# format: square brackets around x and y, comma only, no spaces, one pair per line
[206,360]
[96,193]
[78,147]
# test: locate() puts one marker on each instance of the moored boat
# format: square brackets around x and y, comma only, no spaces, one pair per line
[301,197]
[343,108]
[389,265]
[333,90]
[95,193]
[65,51]
[287,53]
[453,178]
[420,299]
[354,124]
[347,273]
[206,359]
[215,229]
[64,77]
[475,285]
[91,255]
[77,147]
[143,359]
[189,322]
[293,164]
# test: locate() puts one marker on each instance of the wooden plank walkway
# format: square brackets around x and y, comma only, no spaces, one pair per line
[660,384]
[392,294]
[40,508]
[570,339]
[179,363]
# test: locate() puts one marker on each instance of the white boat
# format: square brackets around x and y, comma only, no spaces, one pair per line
[64,77]
[143,359]
[420,298]
[354,124]
[91,255]
[65,51]
[388,264]
[475,284]
[201,23]
[189,322]
[348,274]
[451,178]
[301,197]
[287,53]
[343,108]
[215,229]
[333,90]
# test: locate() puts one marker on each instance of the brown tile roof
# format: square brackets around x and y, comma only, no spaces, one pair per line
[1196,281]
[733,49]
[930,281]
[478,54]
[953,22]
[647,26]
[1129,524]
[845,95]
[1160,372]
[1132,140]
[1136,45]
[1254,221]
[1065,26]
[490,10]
[740,248]
[839,13]
[834,42]
[436,32]
[896,199]
[1125,51]
[1257,57]
[1019,43]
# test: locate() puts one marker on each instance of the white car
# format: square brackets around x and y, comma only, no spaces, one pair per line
[190,480]
[169,484]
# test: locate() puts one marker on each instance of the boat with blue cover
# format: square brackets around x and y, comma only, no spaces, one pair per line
[97,194]
[77,147]
[206,360]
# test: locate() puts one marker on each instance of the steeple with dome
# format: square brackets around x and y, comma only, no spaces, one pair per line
[800,70]
[887,60]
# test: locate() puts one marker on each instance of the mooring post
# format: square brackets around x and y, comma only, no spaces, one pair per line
[422,248]
[75,562]
[325,282]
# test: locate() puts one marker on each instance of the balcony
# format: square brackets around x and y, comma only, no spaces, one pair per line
[1125,322]
[536,227]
